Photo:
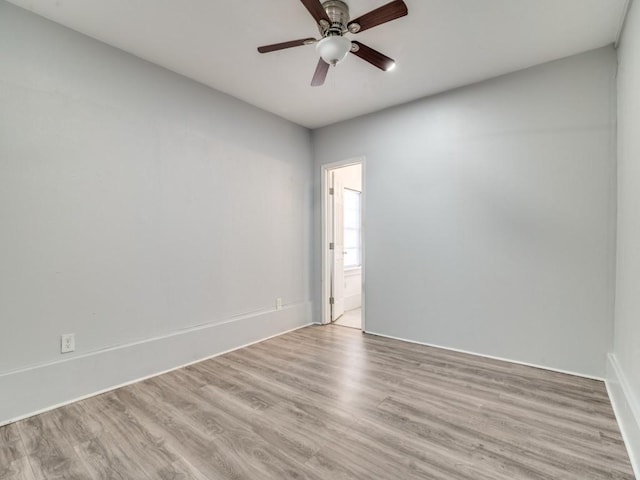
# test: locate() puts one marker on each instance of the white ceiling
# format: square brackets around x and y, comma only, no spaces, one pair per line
[441,44]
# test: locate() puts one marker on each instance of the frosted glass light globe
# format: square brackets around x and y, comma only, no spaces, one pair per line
[333,49]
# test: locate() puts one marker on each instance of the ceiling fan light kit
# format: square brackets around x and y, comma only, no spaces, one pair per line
[333,49]
[333,21]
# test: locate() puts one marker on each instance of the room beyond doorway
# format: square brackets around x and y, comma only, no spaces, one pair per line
[343,242]
[351,318]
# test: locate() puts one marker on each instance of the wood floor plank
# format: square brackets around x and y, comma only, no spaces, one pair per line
[246,409]
[105,459]
[14,463]
[205,451]
[330,403]
[239,429]
[50,455]
[11,447]
[151,452]
[19,469]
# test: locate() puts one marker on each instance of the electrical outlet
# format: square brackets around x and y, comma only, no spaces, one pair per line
[278,303]
[67,342]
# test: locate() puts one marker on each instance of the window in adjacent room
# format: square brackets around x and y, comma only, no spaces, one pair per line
[352,233]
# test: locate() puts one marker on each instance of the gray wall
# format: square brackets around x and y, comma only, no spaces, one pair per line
[136,204]
[490,214]
[624,365]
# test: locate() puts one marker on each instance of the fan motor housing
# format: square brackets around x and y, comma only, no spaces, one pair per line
[338,13]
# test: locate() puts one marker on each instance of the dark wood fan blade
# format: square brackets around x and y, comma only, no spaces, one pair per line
[283,45]
[374,57]
[383,14]
[320,74]
[316,10]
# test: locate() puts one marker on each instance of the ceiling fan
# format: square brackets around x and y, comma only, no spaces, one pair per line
[332,17]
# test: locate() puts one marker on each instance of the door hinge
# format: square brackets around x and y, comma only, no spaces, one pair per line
[331,191]
[331,300]
[331,246]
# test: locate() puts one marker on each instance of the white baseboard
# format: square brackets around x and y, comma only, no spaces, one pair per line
[626,408]
[488,356]
[34,390]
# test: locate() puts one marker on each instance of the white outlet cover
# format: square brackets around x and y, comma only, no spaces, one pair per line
[67,342]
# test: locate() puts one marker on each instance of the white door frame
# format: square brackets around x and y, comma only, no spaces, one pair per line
[325,171]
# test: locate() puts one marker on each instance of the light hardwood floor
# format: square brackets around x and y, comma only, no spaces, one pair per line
[330,403]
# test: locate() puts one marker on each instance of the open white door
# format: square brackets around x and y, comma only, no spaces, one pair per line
[337,247]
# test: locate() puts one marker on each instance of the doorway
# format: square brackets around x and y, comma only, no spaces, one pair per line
[343,243]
